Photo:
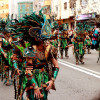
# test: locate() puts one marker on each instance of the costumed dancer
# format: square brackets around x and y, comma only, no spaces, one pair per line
[63,44]
[54,42]
[95,38]
[41,66]
[55,33]
[88,43]
[1,62]
[79,47]
[6,50]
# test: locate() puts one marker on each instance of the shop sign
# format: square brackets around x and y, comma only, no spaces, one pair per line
[86,16]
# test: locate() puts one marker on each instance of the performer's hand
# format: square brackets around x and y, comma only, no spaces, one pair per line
[37,93]
[50,83]
[18,72]
[5,55]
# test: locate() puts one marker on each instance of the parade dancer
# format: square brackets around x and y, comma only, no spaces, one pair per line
[40,67]
[7,52]
[88,43]
[1,62]
[63,44]
[79,47]
[95,38]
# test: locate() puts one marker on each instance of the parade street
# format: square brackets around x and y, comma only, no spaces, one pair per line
[74,82]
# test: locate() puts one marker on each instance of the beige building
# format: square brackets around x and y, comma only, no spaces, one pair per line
[69,10]
[47,11]
[37,5]
[13,9]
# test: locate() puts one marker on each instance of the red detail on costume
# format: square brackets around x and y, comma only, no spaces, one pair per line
[33,84]
[20,59]
[42,69]
[94,38]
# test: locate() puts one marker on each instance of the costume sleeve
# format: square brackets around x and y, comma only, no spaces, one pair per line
[2,51]
[53,54]
[56,70]
[34,83]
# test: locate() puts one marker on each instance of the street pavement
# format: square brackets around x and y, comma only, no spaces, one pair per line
[89,59]
[71,84]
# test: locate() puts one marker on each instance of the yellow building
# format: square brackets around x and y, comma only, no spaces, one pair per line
[47,4]
[4,9]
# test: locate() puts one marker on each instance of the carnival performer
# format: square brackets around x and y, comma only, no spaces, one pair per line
[40,67]
[95,38]
[1,62]
[79,47]
[63,43]
[6,52]
[88,43]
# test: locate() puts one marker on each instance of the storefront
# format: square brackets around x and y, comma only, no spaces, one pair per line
[70,21]
[90,18]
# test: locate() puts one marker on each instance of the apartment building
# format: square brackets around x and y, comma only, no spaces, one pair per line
[71,11]
[37,5]
[25,7]
[4,9]
[47,10]
[13,9]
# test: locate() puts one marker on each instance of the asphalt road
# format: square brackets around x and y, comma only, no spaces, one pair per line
[75,85]
[71,84]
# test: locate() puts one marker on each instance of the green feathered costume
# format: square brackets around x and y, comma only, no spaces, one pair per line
[29,29]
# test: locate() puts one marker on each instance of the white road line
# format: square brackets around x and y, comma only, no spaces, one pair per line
[79,68]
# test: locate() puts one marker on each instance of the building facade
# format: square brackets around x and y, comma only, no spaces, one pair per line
[25,7]
[47,10]
[37,5]
[4,9]
[13,9]
[70,10]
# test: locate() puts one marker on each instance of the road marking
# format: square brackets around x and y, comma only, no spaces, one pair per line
[79,68]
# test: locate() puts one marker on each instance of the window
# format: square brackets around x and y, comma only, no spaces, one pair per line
[21,16]
[11,16]
[20,7]
[39,6]
[65,5]
[36,6]
[56,8]
[83,3]
[3,11]
[27,7]
[72,3]
[2,4]
[16,16]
